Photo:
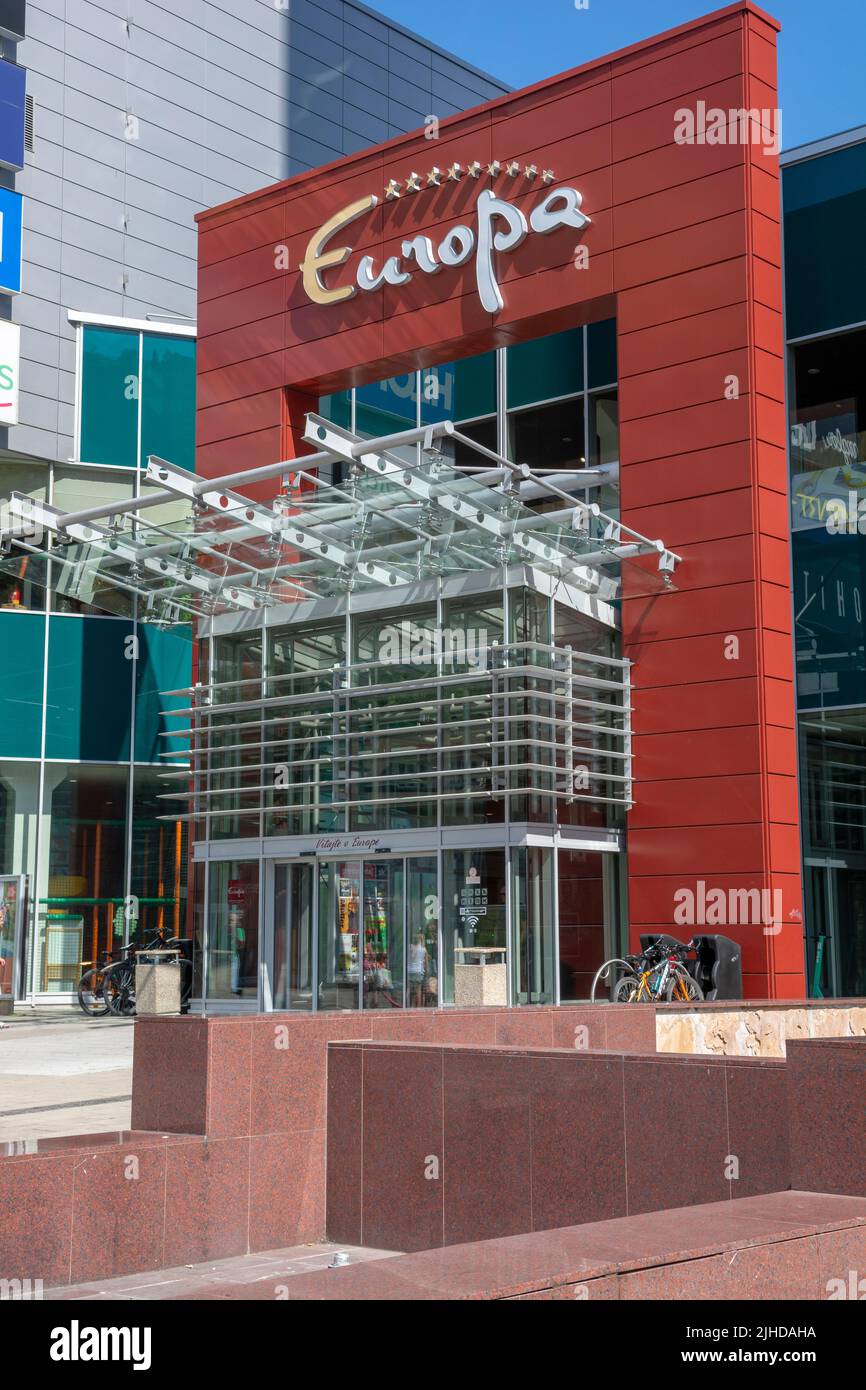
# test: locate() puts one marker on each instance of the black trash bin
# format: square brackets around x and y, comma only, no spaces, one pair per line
[719,967]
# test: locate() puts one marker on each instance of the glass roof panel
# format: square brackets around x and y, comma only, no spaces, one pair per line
[186,548]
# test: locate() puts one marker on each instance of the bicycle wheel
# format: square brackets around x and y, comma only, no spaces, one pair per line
[682,988]
[91,999]
[118,988]
[625,990]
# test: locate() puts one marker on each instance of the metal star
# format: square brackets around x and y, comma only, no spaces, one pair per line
[474,169]
[455,172]
[512,168]
[434,177]
[413,183]
[530,171]
[393,189]
[494,169]
[548,176]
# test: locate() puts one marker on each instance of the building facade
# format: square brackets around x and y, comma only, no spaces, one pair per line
[430,762]
[119,124]
[824,196]
[654,597]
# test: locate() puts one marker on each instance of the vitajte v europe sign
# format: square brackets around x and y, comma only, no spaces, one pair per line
[497,227]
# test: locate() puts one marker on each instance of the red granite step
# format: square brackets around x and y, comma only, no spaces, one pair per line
[783,1245]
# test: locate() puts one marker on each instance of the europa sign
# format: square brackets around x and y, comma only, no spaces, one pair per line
[498,226]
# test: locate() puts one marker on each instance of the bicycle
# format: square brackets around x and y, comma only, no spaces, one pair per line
[118,984]
[91,998]
[658,973]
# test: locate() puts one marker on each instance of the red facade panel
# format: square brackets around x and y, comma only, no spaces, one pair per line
[683,248]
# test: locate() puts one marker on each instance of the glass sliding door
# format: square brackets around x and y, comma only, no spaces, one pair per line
[534,919]
[383,903]
[422,932]
[474,933]
[369,932]
[293,936]
[340,933]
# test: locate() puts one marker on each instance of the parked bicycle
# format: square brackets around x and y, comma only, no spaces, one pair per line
[659,973]
[91,999]
[109,987]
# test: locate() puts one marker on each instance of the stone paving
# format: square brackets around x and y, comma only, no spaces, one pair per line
[62,1073]
[189,1281]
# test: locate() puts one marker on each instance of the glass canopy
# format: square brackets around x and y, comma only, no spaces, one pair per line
[190,547]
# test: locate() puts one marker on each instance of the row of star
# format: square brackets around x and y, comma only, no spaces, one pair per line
[472,171]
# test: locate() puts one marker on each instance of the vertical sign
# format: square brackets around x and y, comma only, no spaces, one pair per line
[10,351]
[10,241]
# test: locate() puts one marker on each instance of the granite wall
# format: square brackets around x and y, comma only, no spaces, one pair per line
[432,1145]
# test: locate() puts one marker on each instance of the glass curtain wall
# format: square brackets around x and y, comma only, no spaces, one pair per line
[550,402]
[828,488]
[81,715]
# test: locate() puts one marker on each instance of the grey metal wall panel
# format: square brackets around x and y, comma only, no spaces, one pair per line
[401,118]
[101,238]
[375,50]
[362,123]
[41,347]
[374,25]
[417,74]
[43,218]
[82,76]
[230,95]
[87,266]
[325,50]
[41,379]
[314,97]
[315,16]
[42,250]
[410,48]
[407,93]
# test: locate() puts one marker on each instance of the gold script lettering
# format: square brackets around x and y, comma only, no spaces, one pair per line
[318,259]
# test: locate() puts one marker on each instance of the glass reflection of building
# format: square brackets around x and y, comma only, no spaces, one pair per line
[824,191]
[385,802]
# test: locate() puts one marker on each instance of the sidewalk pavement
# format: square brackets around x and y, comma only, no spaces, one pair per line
[63,1073]
[191,1281]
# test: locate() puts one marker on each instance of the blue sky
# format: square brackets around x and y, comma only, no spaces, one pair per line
[822,45]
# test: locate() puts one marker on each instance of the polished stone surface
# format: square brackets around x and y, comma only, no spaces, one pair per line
[530,1138]
[827,1106]
[546,1117]
[785,1244]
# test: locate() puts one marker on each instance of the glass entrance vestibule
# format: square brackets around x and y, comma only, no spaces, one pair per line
[372,928]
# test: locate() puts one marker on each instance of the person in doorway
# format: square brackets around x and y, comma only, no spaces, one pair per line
[419,970]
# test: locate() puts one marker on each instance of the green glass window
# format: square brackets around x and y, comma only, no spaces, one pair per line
[464,390]
[337,409]
[137,387]
[545,368]
[386,407]
[164,663]
[168,399]
[22,640]
[109,396]
[89,689]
